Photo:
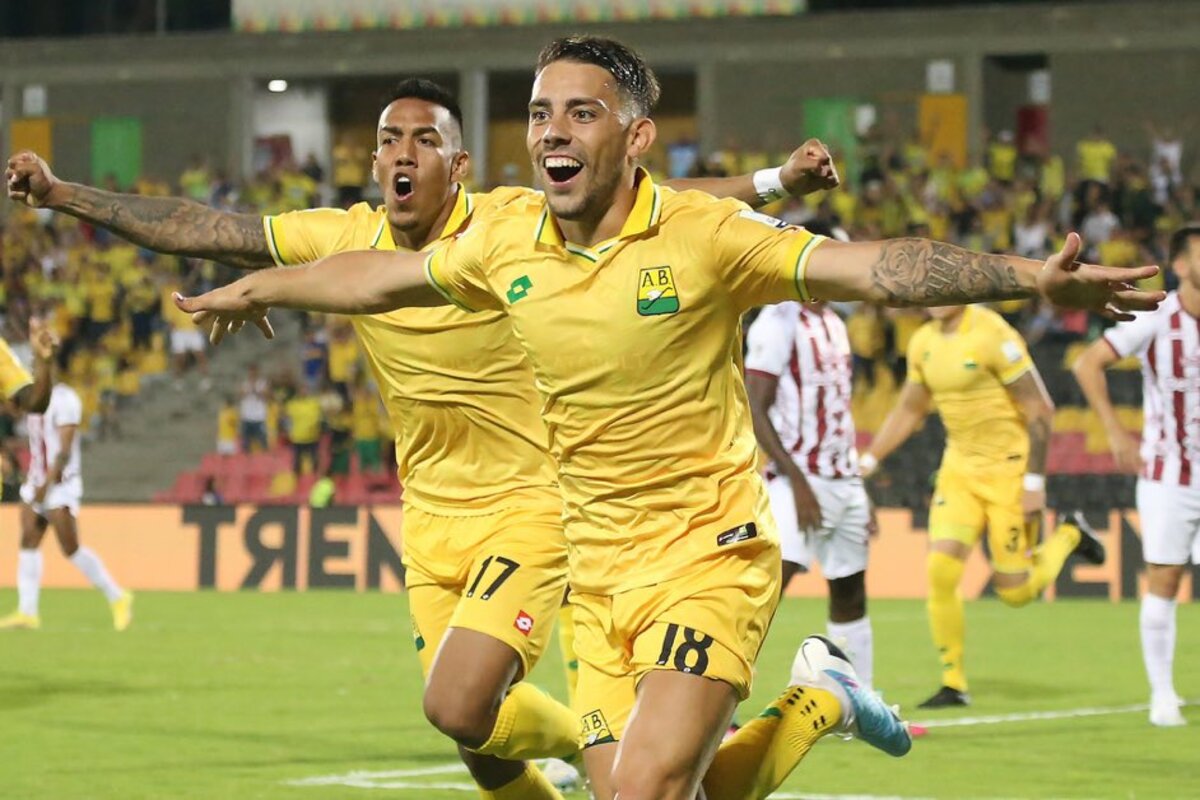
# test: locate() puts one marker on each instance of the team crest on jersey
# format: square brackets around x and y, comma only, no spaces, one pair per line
[656,292]
[595,729]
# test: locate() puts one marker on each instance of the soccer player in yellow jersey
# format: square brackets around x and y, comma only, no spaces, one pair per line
[482,526]
[969,363]
[627,298]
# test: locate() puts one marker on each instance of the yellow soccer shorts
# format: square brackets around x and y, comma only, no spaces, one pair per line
[709,622]
[965,505]
[501,574]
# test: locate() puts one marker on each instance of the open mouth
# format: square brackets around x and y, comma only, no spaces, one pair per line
[403,187]
[561,169]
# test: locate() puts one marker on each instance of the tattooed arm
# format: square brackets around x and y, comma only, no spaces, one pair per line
[164,224]
[921,272]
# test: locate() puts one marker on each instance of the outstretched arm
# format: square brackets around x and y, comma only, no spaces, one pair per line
[354,282]
[809,169]
[911,408]
[164,224]
[35,397]
[921,272]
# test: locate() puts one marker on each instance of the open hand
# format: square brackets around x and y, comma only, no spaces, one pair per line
[1108,291]
[224,310]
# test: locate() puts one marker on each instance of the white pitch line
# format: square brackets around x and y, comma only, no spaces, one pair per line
[1030,716]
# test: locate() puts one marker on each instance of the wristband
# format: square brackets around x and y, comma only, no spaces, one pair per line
[768,183]
[867,463]
[1034,482]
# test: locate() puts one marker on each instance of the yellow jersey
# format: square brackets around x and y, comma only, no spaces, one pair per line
[304,417]
[1095,159]
[228,424]
[634,344]
[967,372]
[457,387]
[13,375]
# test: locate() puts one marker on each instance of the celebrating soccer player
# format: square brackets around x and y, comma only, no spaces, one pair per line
[627,298]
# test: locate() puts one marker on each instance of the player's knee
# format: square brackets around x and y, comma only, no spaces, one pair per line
[464,718]
[944,571]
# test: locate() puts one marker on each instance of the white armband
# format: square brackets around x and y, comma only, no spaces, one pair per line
[1034,482]
[769,184]
[867,464]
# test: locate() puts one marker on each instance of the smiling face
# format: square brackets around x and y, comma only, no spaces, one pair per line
[417,162]
[583,140]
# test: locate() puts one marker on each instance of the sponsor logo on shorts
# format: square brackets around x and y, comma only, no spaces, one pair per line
[418,639]
[523,623]
[741,533]
[595,729]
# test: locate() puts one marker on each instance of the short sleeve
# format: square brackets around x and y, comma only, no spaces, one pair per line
[13,375]
[915,356]
[1132,338]
[298,237]
[456,271]
[68,408]
[770,340]
[762,259]
[1008,355]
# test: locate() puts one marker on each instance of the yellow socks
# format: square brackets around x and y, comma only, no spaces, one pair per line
[946,616]
[1048,561]
[566,643]
[755,761]
[532,785]
[532,724]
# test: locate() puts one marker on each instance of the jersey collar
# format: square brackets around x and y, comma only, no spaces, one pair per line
[463,206]
[645,214]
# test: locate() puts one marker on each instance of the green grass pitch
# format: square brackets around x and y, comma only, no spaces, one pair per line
[243,695]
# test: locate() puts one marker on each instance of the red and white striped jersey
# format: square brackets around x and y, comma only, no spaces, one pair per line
[807,349]
[44,441]
[1167,341]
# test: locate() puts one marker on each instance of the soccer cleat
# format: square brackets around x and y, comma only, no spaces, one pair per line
[1090,548]
[822,664]
[1164,713]
[562,776]
[122,611]
[947,697]
[18,621]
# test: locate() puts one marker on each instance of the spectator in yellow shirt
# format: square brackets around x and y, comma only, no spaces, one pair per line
[228,427]
[343,358]
[303,417]
[366,428]
[1096,155]
[1002,158]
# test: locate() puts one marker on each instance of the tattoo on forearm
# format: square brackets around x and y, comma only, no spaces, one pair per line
[923,272]
[173,225]
[1039,445]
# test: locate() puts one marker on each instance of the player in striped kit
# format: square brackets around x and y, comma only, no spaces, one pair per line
[799,377]
[1167,463]
[51,496]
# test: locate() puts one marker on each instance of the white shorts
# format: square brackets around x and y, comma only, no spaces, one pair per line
[67,495]
[841,545]
[1170,519]
[187,341]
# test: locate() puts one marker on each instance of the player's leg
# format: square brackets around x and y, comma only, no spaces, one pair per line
[66,530]
[1168,531]
[566,647]
[500,627]
[842,551]
[793,542]
[956,521]
[29,570]
[431,606]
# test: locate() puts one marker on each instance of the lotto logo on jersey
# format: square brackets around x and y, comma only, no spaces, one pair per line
[595,729]
[656,292]
[523,623]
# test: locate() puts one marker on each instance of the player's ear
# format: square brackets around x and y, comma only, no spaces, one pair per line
[460,165]
[642,133]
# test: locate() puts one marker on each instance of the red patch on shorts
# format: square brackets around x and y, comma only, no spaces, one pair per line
[523,623]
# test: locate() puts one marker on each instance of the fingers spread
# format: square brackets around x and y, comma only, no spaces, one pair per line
[264,325]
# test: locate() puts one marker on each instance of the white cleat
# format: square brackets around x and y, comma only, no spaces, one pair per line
[1164,713]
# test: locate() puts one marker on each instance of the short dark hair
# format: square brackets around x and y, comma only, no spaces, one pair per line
[430,92]
[635,80]
[1179,241]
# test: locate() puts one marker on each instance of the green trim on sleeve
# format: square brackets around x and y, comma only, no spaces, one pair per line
[272,243]
[802,267]
[443,291]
